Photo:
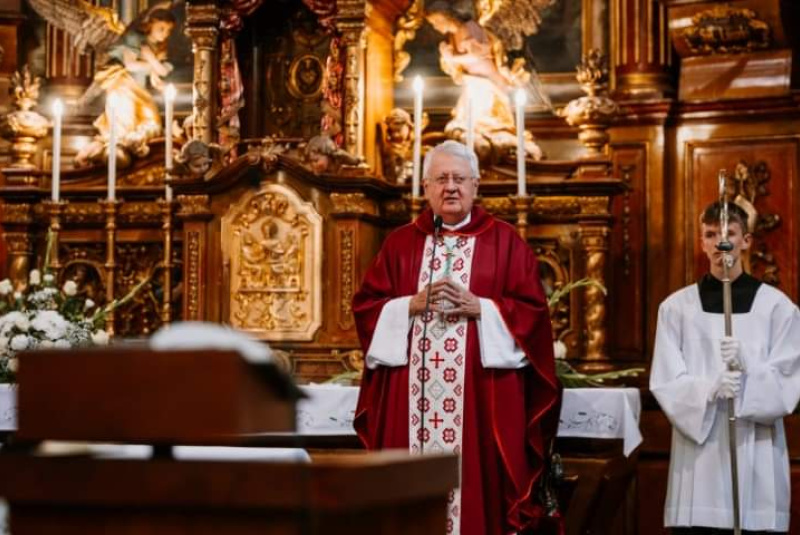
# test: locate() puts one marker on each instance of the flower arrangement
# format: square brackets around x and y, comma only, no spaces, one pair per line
[43,316]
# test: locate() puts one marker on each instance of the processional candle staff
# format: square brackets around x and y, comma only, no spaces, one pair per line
[111,114]
[169,101]
[726,247]
[519,100]
[58,112]
[418,86]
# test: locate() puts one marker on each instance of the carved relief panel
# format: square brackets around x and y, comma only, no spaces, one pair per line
[272,247]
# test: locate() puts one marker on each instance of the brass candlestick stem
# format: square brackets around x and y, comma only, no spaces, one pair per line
[54,210]
[523,204]
[166,306]
[110,208]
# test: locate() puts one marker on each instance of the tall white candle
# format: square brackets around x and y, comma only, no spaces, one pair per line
[58,112]
[169,99]
[519,100]
[111,114]
[470,121]
[415,179]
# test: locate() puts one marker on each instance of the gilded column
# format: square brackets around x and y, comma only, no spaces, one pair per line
[594,244]
[641,49]
[202,23]
[350,22]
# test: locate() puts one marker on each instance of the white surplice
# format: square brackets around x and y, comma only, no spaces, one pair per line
[686,363]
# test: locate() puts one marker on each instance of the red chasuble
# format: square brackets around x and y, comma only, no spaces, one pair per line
[509,414]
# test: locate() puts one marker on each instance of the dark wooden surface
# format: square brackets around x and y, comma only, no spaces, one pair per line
[387,492]
[142,396]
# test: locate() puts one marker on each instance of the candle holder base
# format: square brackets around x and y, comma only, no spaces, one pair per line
[54,210]
[522,204]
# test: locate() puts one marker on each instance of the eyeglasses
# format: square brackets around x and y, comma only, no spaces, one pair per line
[445,179]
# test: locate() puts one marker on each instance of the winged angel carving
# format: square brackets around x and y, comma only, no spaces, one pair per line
[130,60]
[474,55]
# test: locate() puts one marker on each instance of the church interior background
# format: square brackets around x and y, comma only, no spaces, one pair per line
[289,158]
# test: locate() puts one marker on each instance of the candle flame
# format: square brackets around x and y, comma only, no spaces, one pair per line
[520,98]
[418,84]
[170,92]
[58,107]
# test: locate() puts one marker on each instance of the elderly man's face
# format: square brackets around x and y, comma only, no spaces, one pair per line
[450,187]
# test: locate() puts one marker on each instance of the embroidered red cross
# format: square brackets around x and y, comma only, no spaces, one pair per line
[436,420]
[437,359]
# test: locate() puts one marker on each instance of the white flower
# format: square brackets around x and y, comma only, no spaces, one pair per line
[6,287]
[35,278]
[70,288]
[12,365]
[62,344]
[560,349]
[48,278]
[17,295]
[22,323]
[3,344]
[100,338]
[46,344]
[51,323]
[20,342]
[9,321]
[88,304]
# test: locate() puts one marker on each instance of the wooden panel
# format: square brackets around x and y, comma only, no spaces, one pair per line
[780,156]
[627,263]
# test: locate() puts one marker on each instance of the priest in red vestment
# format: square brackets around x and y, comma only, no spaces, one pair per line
[473,376]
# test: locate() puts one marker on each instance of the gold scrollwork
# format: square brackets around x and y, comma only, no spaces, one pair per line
[19,214]
[140,212]
[352,203]
[193,205]
[273,244]
[498,205]
[193,275]
[347,259]
[594,241]
[726,30]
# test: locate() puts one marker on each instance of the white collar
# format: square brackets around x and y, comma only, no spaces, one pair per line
[464,222]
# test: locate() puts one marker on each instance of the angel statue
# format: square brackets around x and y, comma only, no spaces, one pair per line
[474,56]
[131,60]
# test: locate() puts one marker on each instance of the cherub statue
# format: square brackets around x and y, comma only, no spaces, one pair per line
[475,58]
[196,159]
[322,155]
[397,144]
[132,60]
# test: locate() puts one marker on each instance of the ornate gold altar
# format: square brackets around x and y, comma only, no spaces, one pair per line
[283,191]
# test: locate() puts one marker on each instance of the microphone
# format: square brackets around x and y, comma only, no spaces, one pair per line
[437,227]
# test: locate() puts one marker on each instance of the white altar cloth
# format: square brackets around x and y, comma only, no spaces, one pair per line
[585,412]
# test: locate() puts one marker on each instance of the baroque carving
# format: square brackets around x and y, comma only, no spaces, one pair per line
[396,209]
[352,203]
[347,271]
[397,144]
[193,205]
[748,184]
[593,113]
[726,30]
[17,214]
[23,126]
[193,276]
[407,26]
[274,252]
[594,241]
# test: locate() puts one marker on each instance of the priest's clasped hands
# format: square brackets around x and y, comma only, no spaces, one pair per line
[729,382]
[447,297]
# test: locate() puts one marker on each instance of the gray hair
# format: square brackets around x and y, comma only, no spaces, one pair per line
[453,148]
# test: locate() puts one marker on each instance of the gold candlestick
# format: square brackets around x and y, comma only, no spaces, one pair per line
[110,209]
[523,204]
[166,306]
[54,209]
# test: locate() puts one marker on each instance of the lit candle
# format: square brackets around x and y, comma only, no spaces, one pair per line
[58,111]
[519,99]
[470,122]
[415,180]
[169,99]
[111,102]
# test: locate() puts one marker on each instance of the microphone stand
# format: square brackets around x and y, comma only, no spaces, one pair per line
[726,247]
[437,226]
